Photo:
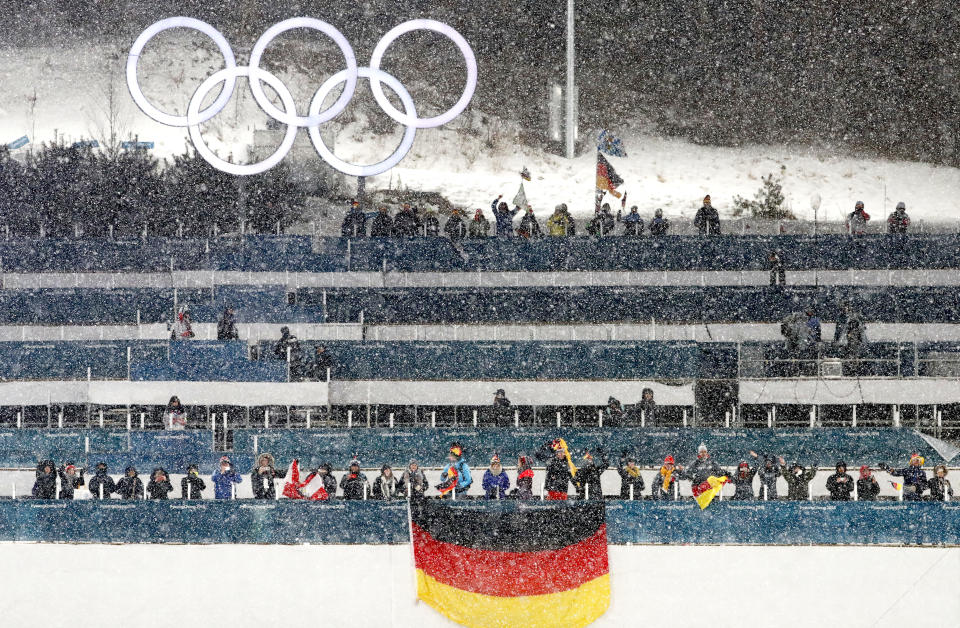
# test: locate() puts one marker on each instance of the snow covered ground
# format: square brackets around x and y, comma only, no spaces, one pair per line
[64,90]
[361,586]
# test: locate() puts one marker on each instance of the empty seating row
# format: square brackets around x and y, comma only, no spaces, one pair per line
[429,446]
[296,254]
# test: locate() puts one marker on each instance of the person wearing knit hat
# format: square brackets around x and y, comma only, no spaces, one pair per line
[631,482]
[857,220]
[702,468]
[663,485]
[594,463]
[192,485]
[914,477]
[898,221]
[496,483]
[707,220]
[455,477]
[560,469]
[743,481]
[413,483]
[224,479]
[840,484]
[101,485]
[867,486]
[354,482]
[70,479]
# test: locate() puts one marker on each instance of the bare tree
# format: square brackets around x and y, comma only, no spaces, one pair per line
[109,119]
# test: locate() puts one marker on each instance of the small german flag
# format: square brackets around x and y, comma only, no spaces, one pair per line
[607,178]
[536,566]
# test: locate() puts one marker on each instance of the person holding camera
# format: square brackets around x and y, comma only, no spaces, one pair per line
[224,478]
[159,486]
[263,475]
[192,485]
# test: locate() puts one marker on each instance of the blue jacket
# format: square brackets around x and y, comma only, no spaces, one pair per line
[464,479]
[496,486]
[914,482]
[222,483]
[504,219]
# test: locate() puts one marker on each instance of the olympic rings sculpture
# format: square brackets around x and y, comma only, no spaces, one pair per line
[288,115]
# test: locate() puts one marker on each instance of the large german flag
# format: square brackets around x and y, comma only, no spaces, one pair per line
[507,565]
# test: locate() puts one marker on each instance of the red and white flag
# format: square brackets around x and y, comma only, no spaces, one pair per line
[310,488]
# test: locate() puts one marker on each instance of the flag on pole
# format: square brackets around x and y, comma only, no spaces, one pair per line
[897,486]
[535,567]
[610,144]
[520,200]
[706,491]
[607,178]
[310,488]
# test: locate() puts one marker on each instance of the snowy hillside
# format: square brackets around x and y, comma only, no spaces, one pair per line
[68,92]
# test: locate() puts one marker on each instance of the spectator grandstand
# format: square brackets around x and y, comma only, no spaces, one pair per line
[418,336]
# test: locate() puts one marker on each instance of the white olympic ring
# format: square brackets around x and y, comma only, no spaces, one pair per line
[256,75]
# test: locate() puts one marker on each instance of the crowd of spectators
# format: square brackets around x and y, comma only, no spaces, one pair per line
[566,469]
[410,221]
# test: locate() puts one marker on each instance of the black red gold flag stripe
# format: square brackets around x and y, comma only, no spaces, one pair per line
[506,565]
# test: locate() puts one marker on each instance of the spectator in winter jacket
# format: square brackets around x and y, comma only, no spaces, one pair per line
[840,484]
[175,417]
[101,485]
[382,224]
[354,223]
[325,471]
[504,217]
[613,414]
[664,483]
[646,409]
[288,343]
[914,477]
[632,222]
[940,487]
[592,466]
[130,486]
[857,220]
[455,477]
[561,223]
[479,226]
[659,225]
[455,229]
[159,486]
[867,486]
[500,411]
[603,222]
[496,484]
[322,364]
[778,271]
[354,482]
[224,478]
[406,223]
[385,486]
[45,486]
[529,227]
[898,221]
[768,472]
[559,472]
[413,482]
[702,468]
[431,225]
[263,476]
[524,488]
[192,485]
[798,481]
[182,327]
[71,478]
[226,326]
[743,481]
[707,220]
[631,482]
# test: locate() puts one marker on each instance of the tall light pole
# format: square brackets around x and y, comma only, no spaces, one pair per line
[571,106]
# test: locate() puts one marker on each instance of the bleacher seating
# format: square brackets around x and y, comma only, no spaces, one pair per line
[174,450]
[297,254]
